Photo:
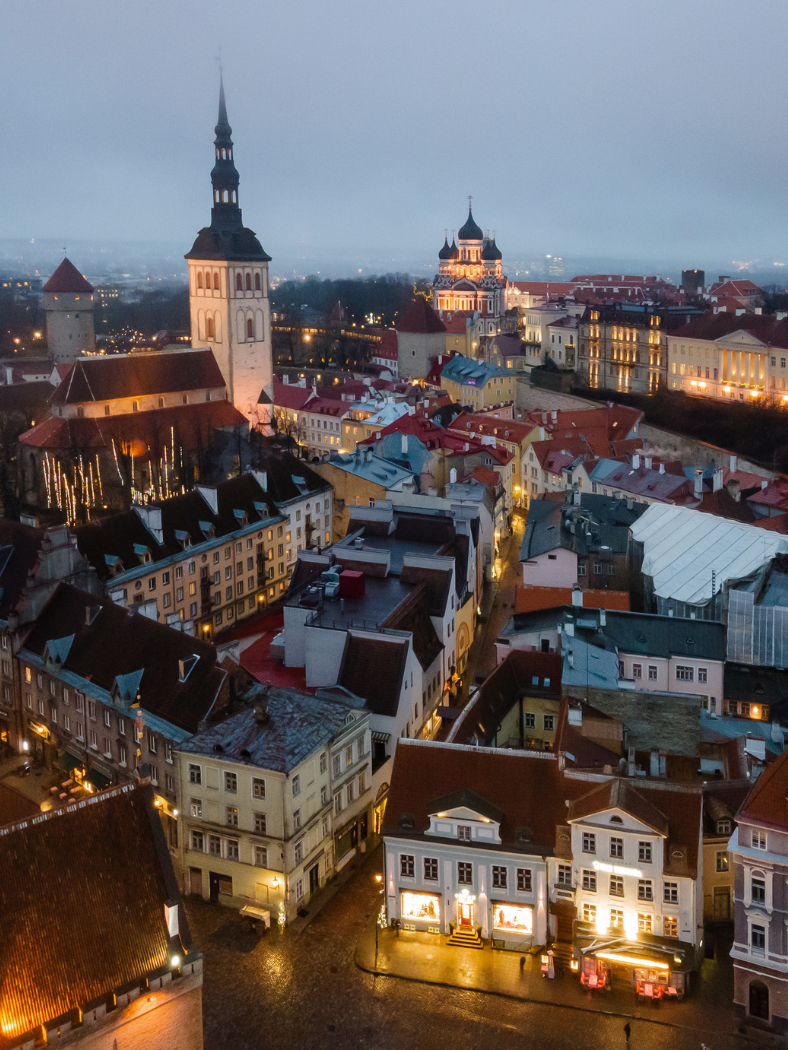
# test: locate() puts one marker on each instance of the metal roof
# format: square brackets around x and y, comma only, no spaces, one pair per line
[683,547]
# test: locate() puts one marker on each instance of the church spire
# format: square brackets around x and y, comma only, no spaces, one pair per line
[224,176]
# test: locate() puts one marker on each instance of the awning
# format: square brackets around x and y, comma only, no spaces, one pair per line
[98,780]
[380,738]
[68,762]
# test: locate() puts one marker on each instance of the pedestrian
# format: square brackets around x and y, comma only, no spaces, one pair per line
[627,1031]
[522,963]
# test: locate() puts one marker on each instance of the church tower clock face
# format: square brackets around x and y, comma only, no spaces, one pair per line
[228,288]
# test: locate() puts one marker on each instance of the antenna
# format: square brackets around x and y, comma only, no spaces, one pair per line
[470,201]
[218,58]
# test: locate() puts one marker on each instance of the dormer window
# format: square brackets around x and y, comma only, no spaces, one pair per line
[724,827]
[186,666]
[464,832]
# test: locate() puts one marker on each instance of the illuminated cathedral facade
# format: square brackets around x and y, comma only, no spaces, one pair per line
[470,279]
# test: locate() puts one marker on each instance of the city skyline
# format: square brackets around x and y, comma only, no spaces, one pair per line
[369,168]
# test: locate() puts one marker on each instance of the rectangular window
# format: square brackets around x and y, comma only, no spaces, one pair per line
[296,819]
[564,875]
[261,857]
[407,865]
[616,919]
[644,852]
[195,807]
[616,848]
[524,880]
[723,863]
[298,851]
[464,873]
[431,869]
[499,877]
[589,880]
[644,922]
[616,885]
[530,720]
[296,785]
[589,842]
[231,783]
[652,673]
[464,832]
[231,816]
[232,849]
[195,774]
[93,740]
[758,840]
[589,913]
[703,674]
[645,890]
[671,893]
[214,845]
[758,940]
[637,670]
[549,723]
[685,674]
[197,841]
[151,742]
[758,891]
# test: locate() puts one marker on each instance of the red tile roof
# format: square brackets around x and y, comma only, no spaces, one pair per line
[421,318]
[491,426]
[190,423]
[67,278]
[257,660]
[774,495]
[289,395]
[544,288]
[764,327]
[88,884]
[490,478]
[774,523]
[532,599]
[387,348]
[15,806]
[767,803]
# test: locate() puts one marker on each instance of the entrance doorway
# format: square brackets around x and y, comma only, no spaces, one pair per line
[722,904]
[759,1000]
[465,914]
[213,882]
[314,879]
[195,882]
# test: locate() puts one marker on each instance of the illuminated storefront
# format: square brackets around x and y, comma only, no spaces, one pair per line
[654,970]
[421,907]
[513,919]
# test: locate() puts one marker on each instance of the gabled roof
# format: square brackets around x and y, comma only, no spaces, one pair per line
[372,668]
[532,599]
[421,318]
[89,884]
[491,426]
[121,642]
[619,794]
[767,803]
[291,395]
[764,327]
[467,799]
[114,376]
[67,278]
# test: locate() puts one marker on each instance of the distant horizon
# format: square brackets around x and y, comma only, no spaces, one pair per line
[163,260]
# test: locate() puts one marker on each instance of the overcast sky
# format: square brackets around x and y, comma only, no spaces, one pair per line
[594,128]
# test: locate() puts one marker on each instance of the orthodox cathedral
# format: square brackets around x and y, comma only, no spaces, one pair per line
[469,277]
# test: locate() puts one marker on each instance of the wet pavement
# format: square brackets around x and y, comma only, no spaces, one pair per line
[303,990]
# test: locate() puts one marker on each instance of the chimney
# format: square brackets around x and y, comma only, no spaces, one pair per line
[698,486]
[636,460]
[261,714]
[734,464]
[555,417]
[453,476]
[602,618]
[734,488]
[576,496]
[647,461]
[630,761]
[630,500]
[764,484]
[286,379]
[662,468]
[577,595]
[724,277]
[404,443]
[717,480]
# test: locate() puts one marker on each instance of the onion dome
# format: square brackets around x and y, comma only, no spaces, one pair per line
[470,231]
[491,252]
[455,251]
[445,252]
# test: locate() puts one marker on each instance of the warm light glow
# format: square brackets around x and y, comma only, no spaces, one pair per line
[631,925]
[755,710]
[513,917]
[574,965]
[206,627]
[617,869]
[378,878]
[601,924]
[421,906]
[633,960]
[175,960]
[175,812]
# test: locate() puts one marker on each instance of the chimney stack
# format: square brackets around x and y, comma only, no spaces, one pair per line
[261,714]
[698,486]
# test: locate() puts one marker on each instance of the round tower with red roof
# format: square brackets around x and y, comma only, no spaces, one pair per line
[68,301]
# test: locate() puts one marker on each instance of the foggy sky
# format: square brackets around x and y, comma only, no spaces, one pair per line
[623,128]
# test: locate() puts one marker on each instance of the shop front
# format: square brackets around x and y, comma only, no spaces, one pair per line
[513,925]
[466,910]
[653,970]
[420,911]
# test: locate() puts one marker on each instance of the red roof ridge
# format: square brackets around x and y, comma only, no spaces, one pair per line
[67,278]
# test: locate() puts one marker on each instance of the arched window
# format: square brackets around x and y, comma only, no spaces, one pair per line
[224,196]
[216,281]
[209,329]
[248,282]
[249,328]
[199,278]
[239,284]
[257,282]
[759,1000]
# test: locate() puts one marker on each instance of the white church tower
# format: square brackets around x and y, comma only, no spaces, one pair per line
[68,301]
[228,289]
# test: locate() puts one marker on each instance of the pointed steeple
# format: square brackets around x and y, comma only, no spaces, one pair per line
[224,175]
